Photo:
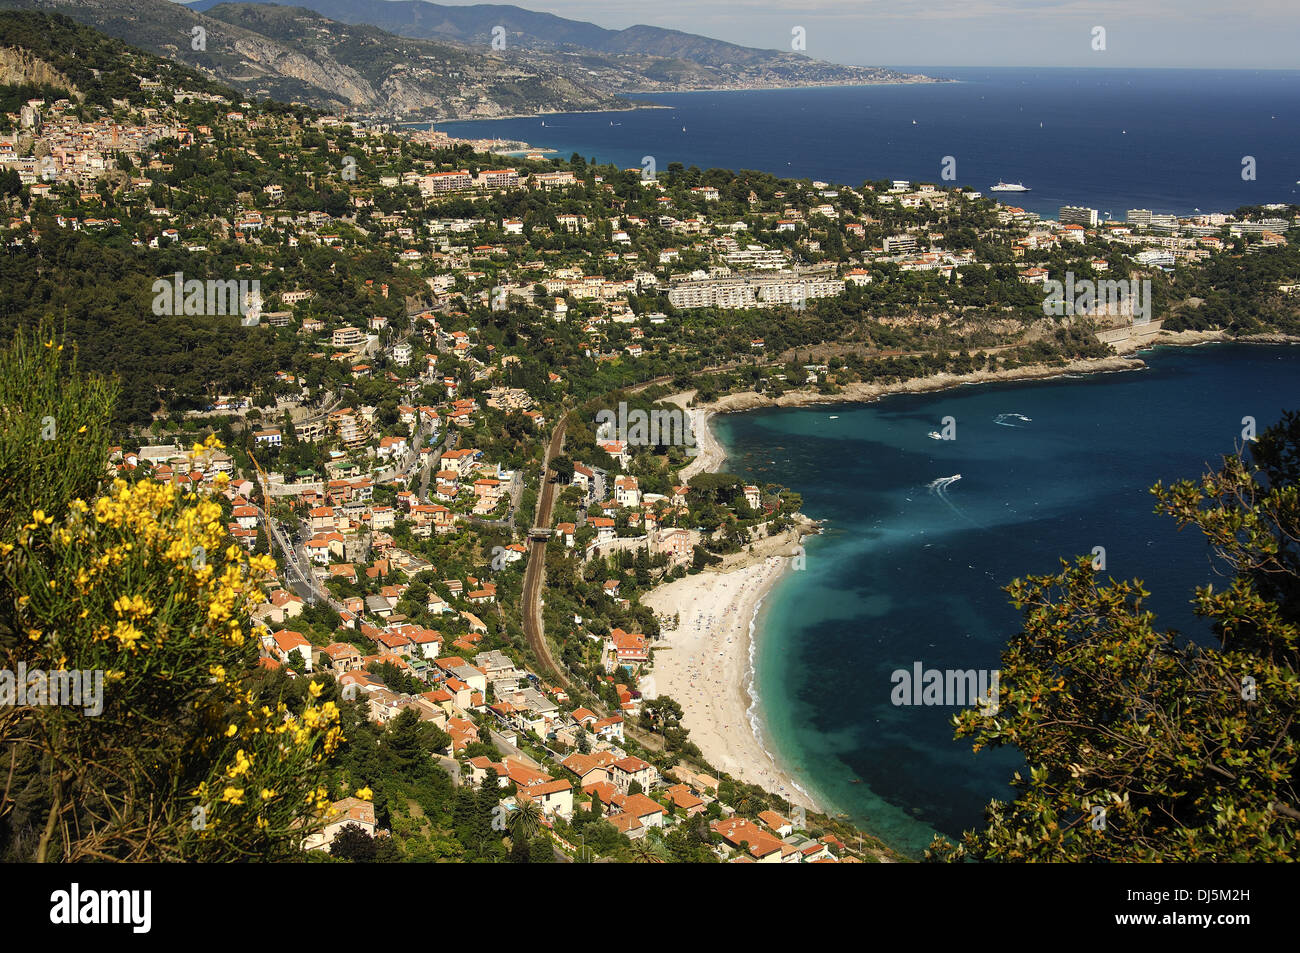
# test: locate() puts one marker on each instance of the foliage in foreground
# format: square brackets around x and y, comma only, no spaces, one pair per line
[1142,746]
[178,756]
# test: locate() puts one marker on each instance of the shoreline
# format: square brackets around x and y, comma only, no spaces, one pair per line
[922,81]
[706,662]
[865,393]
[718,608]
[860,392]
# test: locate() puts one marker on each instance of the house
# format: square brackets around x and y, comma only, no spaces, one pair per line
[627,491]
[779,825]
[245,516]
[426,642]
[349,810]
[743,833]
[378,605]
[626,771]
[584,477]
[604,527]
[589,768]
[647,812]
[284,643]
[553,797]
[394,642]
[626,648]
[287,602]
[322,519]
[627,825]
[340,657]
[683,800]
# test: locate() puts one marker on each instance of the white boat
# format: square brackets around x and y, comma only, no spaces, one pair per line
[1008,187]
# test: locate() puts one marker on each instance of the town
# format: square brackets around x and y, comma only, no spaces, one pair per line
[409,417]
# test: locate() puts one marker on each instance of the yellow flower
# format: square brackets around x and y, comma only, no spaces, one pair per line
[127,635]
[133,606]
[365,793]
[241,765]
[315,689]
[233,795]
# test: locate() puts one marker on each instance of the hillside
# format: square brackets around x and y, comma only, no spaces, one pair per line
[305,58]
[58,52]
[648,55]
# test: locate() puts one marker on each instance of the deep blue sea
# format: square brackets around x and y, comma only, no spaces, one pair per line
[1167,140]
[911,564]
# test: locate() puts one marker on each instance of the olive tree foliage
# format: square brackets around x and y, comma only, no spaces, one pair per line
[1141,745]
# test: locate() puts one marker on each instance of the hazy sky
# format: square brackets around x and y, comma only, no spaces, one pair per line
[1169,33]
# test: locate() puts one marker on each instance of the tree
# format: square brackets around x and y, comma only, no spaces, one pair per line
[563,468]
[648,850]
[661,713]
[525,819]
[354,844]
[138,581]
[1140,744]
[540,850]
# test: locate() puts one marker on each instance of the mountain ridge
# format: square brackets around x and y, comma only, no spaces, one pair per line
[297,54]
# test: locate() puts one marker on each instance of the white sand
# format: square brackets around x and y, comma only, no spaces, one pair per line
[706,668]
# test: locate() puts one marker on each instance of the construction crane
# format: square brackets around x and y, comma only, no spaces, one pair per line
[266,483]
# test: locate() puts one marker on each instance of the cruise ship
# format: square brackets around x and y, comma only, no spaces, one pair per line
[1008,187]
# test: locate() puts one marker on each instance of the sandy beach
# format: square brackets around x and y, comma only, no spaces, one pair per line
[704,662]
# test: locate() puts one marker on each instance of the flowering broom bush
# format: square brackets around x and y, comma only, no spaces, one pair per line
[139,586]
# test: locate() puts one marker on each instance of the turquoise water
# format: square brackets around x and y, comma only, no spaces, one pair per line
[912,561]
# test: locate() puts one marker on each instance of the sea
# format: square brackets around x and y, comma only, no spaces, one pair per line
[922,534]
[1172,141]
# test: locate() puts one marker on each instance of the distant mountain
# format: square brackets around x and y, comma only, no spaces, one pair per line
[530,30]
[295,55]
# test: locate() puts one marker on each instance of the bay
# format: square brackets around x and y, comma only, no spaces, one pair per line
[1172,141]
[913,561]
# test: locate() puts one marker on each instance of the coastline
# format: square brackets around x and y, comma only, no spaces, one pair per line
[921,80]
[1136,341]
[707,662]
[860,392]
